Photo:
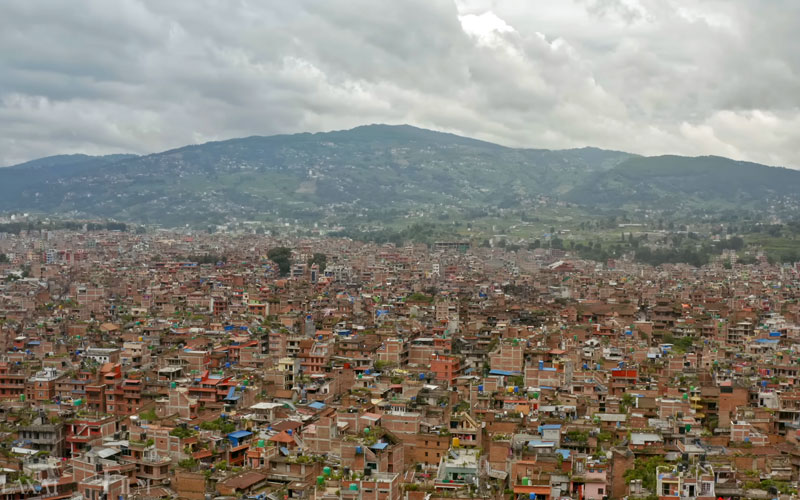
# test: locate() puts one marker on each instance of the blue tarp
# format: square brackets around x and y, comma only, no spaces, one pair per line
[379,446]
[230,393]
[563,453]
[239,434]
[317,405]
[236,437]
[504,373]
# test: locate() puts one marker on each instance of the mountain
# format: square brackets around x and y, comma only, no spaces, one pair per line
[374,171]
[662,181]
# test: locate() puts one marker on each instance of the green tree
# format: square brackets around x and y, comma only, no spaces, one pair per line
[627,401]
[645,469]
[181,432]
[222,425]
[188,463]
[320,259]
[148,415]
[281,256]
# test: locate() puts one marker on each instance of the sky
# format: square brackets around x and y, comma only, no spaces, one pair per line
[690,77]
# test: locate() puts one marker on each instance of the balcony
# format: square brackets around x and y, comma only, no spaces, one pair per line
[80,439]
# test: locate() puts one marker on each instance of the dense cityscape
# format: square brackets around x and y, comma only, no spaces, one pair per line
[164,363]
[399,250]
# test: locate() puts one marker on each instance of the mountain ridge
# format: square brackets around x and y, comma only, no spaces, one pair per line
[381,171]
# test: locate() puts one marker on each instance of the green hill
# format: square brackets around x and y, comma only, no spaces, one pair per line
[377,171]
[670,180]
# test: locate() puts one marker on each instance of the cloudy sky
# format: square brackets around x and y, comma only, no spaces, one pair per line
[649,76]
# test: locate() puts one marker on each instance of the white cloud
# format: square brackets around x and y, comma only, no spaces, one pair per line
[647,76]
[486,28]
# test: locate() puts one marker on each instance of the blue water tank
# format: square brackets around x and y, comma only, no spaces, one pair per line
[541,364]
[480,388]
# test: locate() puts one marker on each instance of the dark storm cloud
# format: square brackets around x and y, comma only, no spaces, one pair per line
[649,76]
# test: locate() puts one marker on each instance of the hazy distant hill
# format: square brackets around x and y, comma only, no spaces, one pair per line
[663,180]
[389,169]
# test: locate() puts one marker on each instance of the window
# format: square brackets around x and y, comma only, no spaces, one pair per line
[599,491]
